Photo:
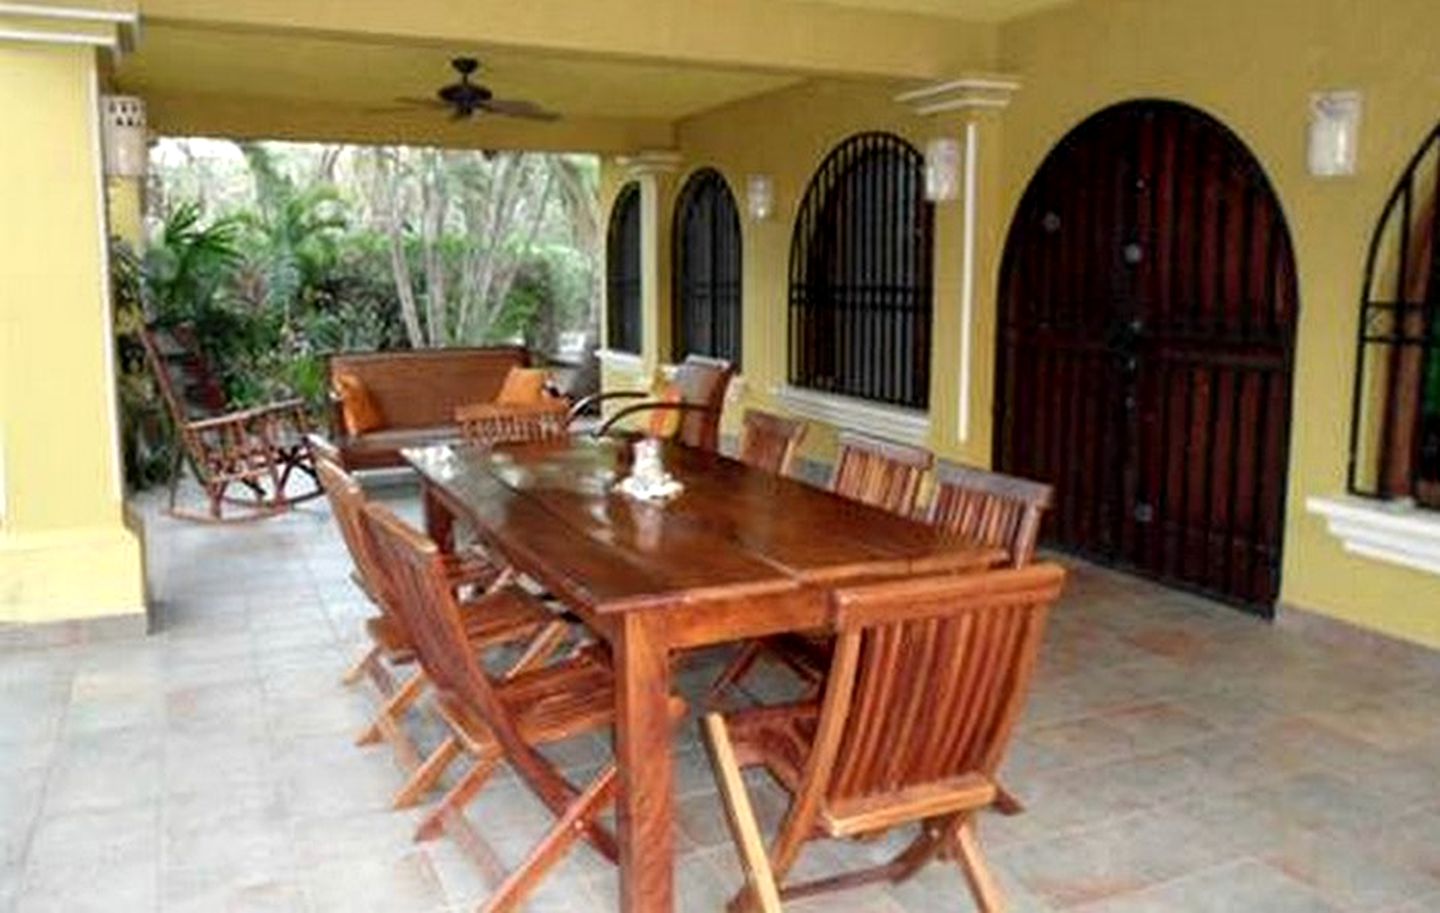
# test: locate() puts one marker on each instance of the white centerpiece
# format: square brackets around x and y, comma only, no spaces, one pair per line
[648,480]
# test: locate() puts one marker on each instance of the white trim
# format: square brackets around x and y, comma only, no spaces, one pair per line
[967,278]
[44,11]
[966,83]
[43,37]
[625,361]
[1394,532]
[908,426]
[107,302]
[964,94]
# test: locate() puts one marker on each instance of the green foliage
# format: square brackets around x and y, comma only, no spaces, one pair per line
[299,263]
[146,438]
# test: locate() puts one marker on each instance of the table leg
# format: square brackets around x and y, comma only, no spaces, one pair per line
[439,522]
[646,812]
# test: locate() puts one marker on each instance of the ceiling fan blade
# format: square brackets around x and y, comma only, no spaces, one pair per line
[525,109]
[413,103]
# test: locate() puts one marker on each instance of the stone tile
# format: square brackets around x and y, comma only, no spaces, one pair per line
[1245,885]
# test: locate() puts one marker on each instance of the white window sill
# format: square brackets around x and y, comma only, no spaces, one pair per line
[904,425]
[624,361]
[1393,532]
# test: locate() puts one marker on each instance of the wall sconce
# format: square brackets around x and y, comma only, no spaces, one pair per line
[942,169]
[1334,133]
[122,133]
[760,196]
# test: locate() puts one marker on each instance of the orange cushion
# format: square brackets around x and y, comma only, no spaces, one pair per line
[522,387]
[358,410]
[665,422]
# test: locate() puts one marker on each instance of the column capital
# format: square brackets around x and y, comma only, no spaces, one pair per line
[980,92]
[111,26]
[649,162]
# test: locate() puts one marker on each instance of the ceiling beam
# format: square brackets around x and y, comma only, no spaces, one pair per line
[765,35]
[238,117]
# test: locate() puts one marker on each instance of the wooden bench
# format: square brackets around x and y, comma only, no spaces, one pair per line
[417,393]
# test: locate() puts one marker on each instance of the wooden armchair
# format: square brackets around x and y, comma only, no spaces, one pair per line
[929,679]
[770,441]
[257,449]
[496,613]
[697,393]
[502,721]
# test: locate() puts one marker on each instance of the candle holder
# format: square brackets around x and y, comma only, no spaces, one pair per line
[648,480]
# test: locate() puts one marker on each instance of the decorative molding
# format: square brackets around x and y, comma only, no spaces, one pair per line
[905,425]
[112,29]
[650,162]
[1389,531]
[967,93]
[624,361]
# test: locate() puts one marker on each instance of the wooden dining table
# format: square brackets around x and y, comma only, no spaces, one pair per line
[740,553]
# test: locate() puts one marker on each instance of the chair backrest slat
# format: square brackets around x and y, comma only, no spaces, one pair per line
[940,672]
[770,441]
[990,508]
[879,473]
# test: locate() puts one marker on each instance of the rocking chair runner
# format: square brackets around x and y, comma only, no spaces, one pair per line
[502,721]
[929,678]
[258,449]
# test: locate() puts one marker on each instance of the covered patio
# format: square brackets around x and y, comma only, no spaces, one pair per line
[1164,275]
[1175,756]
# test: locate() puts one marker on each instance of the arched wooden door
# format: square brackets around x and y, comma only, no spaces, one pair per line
[1147,321]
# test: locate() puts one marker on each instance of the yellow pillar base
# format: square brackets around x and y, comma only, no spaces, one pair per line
[74,575]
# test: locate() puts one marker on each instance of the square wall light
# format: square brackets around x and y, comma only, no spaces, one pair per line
[1334,133]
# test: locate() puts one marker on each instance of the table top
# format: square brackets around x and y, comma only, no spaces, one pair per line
[734,532]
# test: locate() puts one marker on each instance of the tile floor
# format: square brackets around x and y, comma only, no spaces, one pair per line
[1176,756]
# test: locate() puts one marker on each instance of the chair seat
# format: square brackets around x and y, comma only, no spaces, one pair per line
[777,737]
[509,615]
[550,704]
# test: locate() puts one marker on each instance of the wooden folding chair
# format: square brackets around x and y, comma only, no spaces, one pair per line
[509,720]
[929,679]
[488,424]
[879,473]
[770,441]
[496,613]
[875,472]
[990,508]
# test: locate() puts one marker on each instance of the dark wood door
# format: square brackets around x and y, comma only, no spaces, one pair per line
[1148,305]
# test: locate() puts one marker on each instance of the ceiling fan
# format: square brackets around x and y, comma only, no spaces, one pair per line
[465,99]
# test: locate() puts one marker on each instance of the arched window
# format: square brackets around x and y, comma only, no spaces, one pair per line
[622,272]
[1395,431]
[706,268]
[860,275]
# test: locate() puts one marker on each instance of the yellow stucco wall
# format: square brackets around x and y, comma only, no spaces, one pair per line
[64,551]
[1252,65]
[786,135]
